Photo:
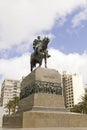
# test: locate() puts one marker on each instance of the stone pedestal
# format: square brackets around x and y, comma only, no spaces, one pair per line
[41,90]
[42,104]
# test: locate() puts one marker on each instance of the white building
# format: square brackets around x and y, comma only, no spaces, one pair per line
[10,88]
[1,115]
[72,89]
[0,99]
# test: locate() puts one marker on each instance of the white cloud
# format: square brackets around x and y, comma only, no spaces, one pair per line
[78,18]
[15,68]
[23,47]
[22,19]
[72,63]
[18,67]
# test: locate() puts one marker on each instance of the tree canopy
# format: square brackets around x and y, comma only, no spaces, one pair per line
[12,105]
[81,107]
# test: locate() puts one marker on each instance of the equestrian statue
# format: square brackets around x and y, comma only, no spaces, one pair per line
[40,52]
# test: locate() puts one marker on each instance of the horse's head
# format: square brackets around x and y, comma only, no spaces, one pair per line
[45,42]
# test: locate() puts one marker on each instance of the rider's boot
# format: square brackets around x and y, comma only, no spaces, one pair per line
[48,55]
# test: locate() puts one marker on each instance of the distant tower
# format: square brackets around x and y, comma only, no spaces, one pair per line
[72,89]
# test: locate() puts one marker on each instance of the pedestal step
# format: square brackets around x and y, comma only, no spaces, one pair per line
[58,109]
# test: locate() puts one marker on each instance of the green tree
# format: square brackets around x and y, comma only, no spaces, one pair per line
[81,107]
[76,108]
[9,106]
[15,104]
[84,103]
[12,105]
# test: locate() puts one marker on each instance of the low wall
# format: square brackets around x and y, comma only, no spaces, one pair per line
[12,121]
[35,119]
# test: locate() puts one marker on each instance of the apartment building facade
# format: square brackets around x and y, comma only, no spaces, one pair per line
[72,89]
[10,88]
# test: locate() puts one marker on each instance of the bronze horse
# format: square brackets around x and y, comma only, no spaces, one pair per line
[40,54]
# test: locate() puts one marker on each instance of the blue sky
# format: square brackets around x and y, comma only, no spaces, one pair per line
[65,24]
[70,40]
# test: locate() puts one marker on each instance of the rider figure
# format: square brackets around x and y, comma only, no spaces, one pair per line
[36,44]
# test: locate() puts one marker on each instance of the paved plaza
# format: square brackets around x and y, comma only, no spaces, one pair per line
[52,128]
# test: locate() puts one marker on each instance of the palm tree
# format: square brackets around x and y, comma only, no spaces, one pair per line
[9,106]
[15,103]
[12,105]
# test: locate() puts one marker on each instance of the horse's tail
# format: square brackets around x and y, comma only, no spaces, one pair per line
[31,61]
[31,57]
